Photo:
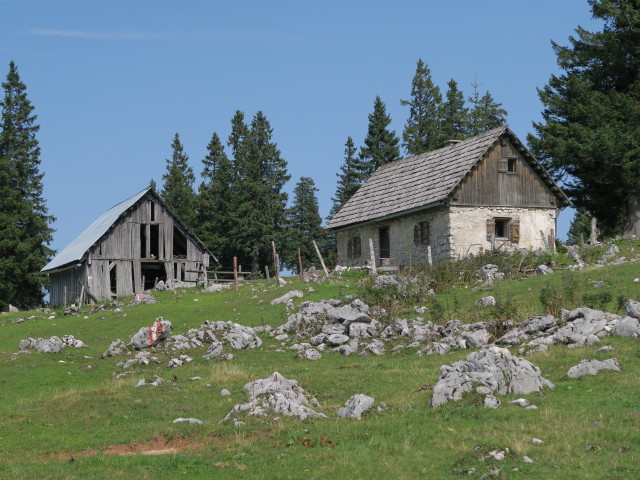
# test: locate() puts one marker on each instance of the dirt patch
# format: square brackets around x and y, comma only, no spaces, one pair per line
[159,445]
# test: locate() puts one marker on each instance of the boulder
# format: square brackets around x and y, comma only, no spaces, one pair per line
[276,395]
[632,308]
[287,296]
[356,406]
[117,347]
[214,350]
[582,325]
[626,327]
[51,345]
[486,301]
[543,270]
[310,354]
[151,336]
[385,281]
[592,367]
[492,369]
[336,339]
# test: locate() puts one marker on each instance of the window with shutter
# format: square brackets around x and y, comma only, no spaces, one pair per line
[491,228]
[515,230]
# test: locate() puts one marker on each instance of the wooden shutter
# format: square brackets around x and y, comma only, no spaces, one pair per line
[515,230]
[503,165]
[491,229]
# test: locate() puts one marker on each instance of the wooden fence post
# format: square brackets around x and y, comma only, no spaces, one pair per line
[326,272]
[235,273]
[300,265]
[266,271]
[275,261]
[372,254]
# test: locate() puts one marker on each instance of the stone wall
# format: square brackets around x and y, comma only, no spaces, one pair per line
[454,232]
[403,246]
[469,229]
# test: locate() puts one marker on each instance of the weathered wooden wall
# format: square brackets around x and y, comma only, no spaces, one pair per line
[487,185]
[66,282]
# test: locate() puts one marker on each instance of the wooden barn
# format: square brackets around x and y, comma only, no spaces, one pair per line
[487,192]
[133,245]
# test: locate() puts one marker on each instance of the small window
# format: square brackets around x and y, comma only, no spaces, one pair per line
[507,165]
[350,248]
[357,247]
[503,229]
[511,165]
[421,233]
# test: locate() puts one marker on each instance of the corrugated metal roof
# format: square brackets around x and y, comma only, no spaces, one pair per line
[424,180]
[77,248]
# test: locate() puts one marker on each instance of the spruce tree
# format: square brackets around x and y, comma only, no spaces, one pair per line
[453,115]
[351,178]
[177,190]
[421,130]
[381,144]
[214,200]
[303,226]
[591,118]
[25,225]
[485,113]
[259,202]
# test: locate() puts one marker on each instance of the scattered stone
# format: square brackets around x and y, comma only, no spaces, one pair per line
[626,327]
[287,296]
[356,406]
[214,350]
[376,347]
[143,298]
[486,301]
[224,392]
[385,281]
[13,309]
[543,270]
[527,459]
[157,381]
[632,308]
[491,369]
[278,395]
[282,282]
[178,362]
[536,441]
[151,336]
[188,420]
[497,455]
[51,345]
[194,379]
[491,402]
[421,310]
[117,347]
[225,357]
[521,402]
[310,354]
[141,358]
[336,339]
[606,348]
[592,367]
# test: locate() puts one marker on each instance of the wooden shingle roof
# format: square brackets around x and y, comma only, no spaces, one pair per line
[423,181]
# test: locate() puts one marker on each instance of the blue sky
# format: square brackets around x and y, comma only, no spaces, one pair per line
[112,82]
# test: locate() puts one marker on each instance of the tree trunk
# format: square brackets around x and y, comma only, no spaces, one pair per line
[632,225]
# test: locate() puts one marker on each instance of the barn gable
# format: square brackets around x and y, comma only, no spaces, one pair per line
[126,250]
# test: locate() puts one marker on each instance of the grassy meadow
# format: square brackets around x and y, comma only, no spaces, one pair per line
[66,416]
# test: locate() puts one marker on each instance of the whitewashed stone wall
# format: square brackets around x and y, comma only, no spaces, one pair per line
[469,229]
[455,232]
[401,238]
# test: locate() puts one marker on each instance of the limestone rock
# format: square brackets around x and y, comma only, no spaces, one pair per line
[626,327]
[356,406]
[592,367]
[489,370]
[543,270]
[486,301]
[194,421]
[632,308]
[151,336]
[214,350]
[310,354]
[287,296]
[117,347]
[491,402]
[276,395]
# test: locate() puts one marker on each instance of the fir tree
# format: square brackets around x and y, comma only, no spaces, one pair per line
[485,113]
[580,227]
[214,200]
[453,115]
[259,202]
[25,231]
[421,131]
[177,190]
[303,226]
[381,144]
[591,118]
[351,178]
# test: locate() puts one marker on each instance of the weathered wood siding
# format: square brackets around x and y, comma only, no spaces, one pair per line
[67,282]
[114,266]
[489,184]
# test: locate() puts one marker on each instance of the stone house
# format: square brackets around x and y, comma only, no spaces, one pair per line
[129,248]
[487,192]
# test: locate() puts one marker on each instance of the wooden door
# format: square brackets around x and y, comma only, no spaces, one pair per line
[385,247]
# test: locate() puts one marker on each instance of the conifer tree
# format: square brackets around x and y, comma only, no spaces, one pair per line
[177,190]
[485,113]
[591,118]
[303,226]
[259,202]
[351,178]
[214,200]
[381,144]
[421,130]
[25,231]
[453,115]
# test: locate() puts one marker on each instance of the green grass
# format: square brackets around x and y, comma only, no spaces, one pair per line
[64,415]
